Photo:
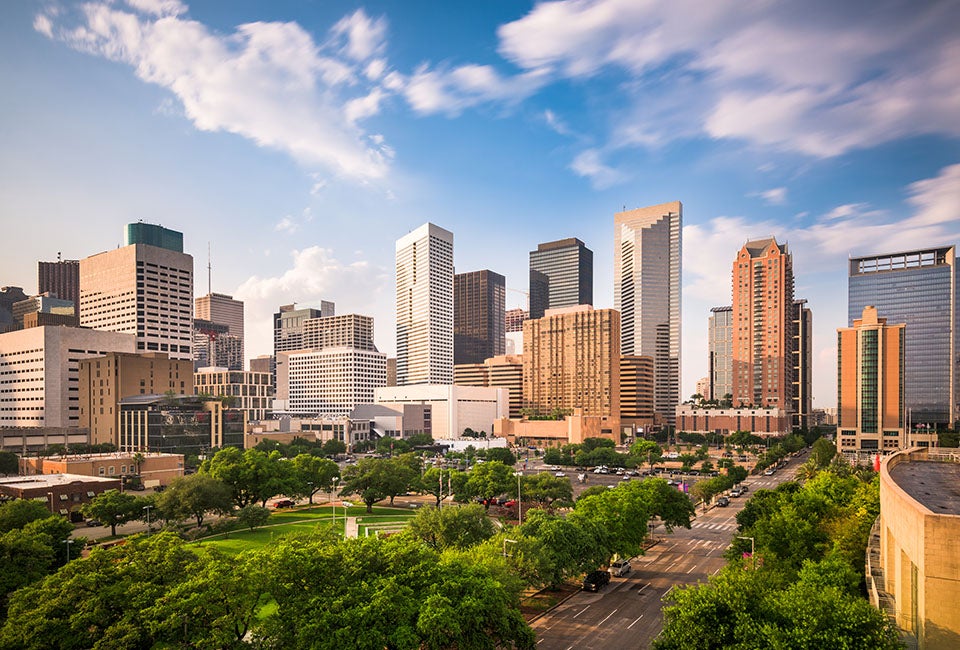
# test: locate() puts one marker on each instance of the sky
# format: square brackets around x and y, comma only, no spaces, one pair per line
[293,142]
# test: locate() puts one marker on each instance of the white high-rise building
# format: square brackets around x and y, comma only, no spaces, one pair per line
[425,306]
[331,381]
[646,292]
[144,288]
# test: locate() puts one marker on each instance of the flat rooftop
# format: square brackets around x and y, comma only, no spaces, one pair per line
[51,480]
[934,484]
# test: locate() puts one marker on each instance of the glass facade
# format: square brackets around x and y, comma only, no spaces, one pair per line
[720,347]
[567,265]
[479,299]
[918,288]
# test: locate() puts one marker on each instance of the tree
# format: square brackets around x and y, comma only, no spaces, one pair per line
[252,475]
[373,479]
[253,516]
[112,508]
[9,463]
[334,447]
[568,545]
[547,489]
[452,527]
[440,482]
[489,480]
[312,474]
[20,512]
[822,453]
[194,496]
[503,455]
[646,451]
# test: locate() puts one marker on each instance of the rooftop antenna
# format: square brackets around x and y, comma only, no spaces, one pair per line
[58,256]
[209,272]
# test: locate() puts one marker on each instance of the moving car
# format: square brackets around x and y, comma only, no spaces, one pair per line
[735,492]
[620,568]
[596,580]
[284,503]
[723,502]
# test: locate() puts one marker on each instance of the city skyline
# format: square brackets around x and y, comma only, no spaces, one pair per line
[344,127]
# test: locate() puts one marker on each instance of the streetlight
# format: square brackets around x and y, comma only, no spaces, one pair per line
[333,489]
[50,494]
[68,542]
[753,557]
[519,502]
[346,504]
[147,510]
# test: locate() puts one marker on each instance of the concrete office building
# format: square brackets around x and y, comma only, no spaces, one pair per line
[453,408]
[8,297]
[720,351]
[513,319]
[106,379]
[478,316]
[918,288]
[142,289]
[571,360]
[646,291]
[636,393]
[763,325]
[425,306]
[870,387]
[505,371]
[251,392]
[912,570]
[802,350]
[61,279]
[346,331]
[223,310]
[44,309]
[329,381]
[288,324]
[40,374]
[561,275]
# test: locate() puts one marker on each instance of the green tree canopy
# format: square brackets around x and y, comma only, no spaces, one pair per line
[451,527]
[194,496]
[503,455]
[373,479]
[112,508]
[20,512]
[489,480]
[311,474]
[9,463]
[252,475]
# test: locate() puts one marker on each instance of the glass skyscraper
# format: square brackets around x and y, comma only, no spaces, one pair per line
[918,288]
[561,275]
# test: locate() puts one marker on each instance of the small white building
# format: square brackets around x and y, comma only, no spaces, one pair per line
[453,408]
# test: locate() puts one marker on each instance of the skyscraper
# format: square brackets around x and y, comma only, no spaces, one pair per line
[222,309]
[802,351]
[720,351]
[478,316]
[763,325]
[143,289]
[561,275]
[288,325]
[61,278]
[918,288]
[870,384]
[646,292]
[425,306]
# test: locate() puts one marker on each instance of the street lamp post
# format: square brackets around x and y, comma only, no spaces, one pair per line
[753,557]
[50,494]
[519,502]
[346,504]
[147,510]
[68,542]
[333,508]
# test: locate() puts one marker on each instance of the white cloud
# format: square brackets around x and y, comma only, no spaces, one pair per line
[42,24]
[937,200]
[774,196]
[589,165]
[819,78]
[315,275]
[268,82]
[555,122]
[431,91]
[286,225]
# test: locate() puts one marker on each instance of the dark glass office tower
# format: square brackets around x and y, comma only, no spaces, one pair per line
[561,275]
[478,316]
[918,288]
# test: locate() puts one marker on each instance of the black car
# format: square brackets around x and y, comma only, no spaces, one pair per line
[596,580]
[723,502]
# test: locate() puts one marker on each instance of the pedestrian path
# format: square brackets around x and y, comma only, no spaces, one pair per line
[711,526]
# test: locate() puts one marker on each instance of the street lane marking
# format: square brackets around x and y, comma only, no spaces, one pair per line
[608,616]
[635,622]
[640,590]
[581,611]
[692,568]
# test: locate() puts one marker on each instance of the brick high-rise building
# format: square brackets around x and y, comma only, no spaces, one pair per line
[636,392]
[505,371]
[143,289]
[62,279]
[646,292]
[763,325]
[571,360]
[870,386]
[513,319]
[561,275]
[478,316]
[425,306]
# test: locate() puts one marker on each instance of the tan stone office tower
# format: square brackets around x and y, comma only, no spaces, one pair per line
[763,325]
[646,292]
[571,360]
[144,288]
[425,306]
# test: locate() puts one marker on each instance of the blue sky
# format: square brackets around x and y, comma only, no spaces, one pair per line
[301,139]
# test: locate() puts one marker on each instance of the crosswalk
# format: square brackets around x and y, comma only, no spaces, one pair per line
[709,526]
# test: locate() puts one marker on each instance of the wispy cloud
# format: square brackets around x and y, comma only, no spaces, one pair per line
[268,82]
[590,165]
[774,196]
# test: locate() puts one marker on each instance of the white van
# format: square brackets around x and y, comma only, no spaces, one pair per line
[620,568]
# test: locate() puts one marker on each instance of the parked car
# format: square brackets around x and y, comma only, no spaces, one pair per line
[620,568]
[596,580]
[723,502]
[559,474]
[284,503]
[744,487]
[769,472]
[509,504]
[735,492]
[93,522]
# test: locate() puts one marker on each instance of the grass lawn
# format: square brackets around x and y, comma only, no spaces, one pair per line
[302,520]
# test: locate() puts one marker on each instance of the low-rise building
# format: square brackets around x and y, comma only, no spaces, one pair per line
[572,429]
[770,421]
[453,408]
[182,424]
[913,570]
[64,494]
[153,468]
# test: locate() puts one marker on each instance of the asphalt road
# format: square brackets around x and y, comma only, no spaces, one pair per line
[627,613]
